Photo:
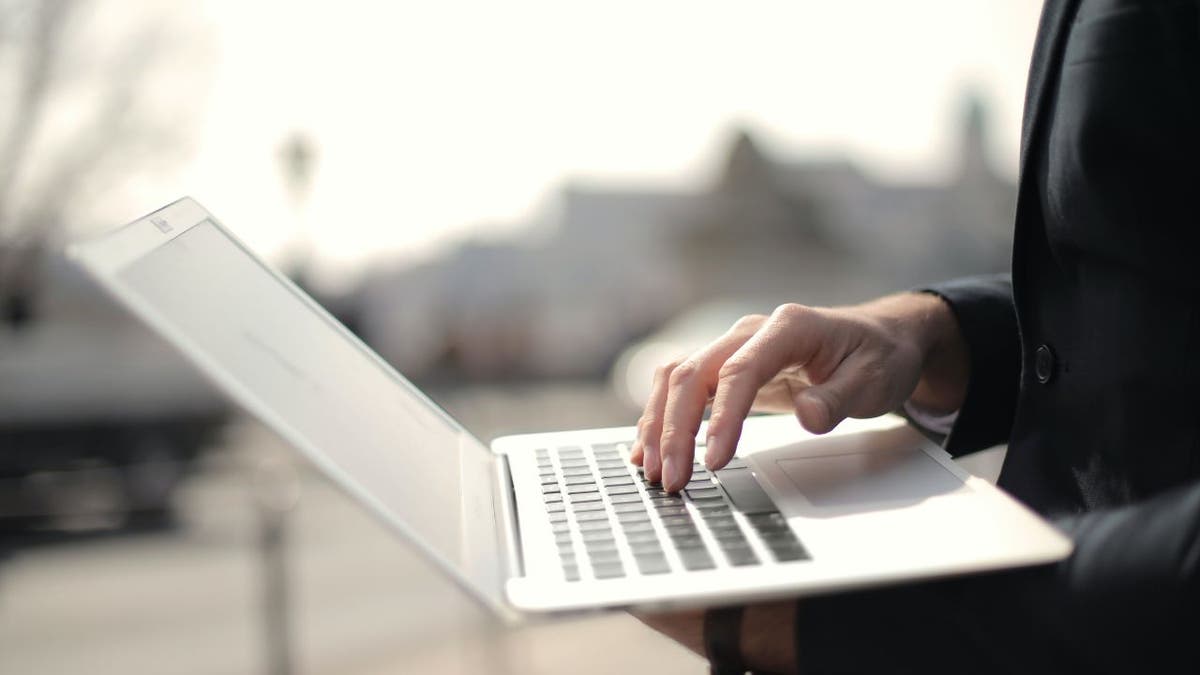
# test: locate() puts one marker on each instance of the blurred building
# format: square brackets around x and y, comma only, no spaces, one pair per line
[620,262]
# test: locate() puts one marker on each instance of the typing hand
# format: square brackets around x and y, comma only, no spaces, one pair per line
[823,364]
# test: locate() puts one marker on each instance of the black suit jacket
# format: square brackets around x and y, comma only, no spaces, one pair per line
[1087,360]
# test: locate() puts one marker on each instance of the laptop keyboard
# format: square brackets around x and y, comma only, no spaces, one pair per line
[595,500]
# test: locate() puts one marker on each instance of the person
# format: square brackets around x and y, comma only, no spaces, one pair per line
[1085,359]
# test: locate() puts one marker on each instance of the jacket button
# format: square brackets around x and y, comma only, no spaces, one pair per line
[1043,364]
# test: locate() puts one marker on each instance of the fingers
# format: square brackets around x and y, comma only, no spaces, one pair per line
[789,338]
[645,448]
[689,388]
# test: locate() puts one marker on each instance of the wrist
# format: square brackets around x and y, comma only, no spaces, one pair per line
[768,637]
[944,363]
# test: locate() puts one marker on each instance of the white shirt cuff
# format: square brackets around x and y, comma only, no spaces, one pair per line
[938,423]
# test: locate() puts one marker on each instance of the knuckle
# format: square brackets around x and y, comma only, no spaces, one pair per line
[734,368]
[749,322]
[683,373]
[664,371]
[674,436]
[790,311]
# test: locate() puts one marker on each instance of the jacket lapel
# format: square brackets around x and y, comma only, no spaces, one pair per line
[1044,67]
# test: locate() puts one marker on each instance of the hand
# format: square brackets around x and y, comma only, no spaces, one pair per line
[767,640]
[824,364]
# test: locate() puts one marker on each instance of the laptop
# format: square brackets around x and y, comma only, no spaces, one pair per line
[543,523]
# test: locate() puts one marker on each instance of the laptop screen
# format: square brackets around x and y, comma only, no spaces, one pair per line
[301,373]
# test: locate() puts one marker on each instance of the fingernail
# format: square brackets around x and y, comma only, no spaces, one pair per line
[668,477]
[710,455]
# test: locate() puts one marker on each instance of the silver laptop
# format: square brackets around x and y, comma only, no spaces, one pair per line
[562,521]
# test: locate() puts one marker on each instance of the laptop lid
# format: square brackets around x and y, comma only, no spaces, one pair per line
[274,351]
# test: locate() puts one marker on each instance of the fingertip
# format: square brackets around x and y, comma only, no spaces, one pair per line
[676,474]
[636,456]
[713,454]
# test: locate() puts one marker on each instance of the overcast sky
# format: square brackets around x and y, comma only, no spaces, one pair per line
[436,119]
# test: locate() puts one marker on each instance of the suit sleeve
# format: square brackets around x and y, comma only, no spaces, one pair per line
[1127,600]
[988,321]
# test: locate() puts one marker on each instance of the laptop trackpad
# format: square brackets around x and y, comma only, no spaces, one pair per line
[868,478]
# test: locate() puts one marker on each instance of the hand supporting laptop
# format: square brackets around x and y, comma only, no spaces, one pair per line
[823,364]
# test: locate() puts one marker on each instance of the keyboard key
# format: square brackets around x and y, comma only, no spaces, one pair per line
[641,536]
[550,489]
[587,506]
[736,463]
[678,520]
[711,509]
[740,557]
[580,480]
[626,498]
[576,489]
[588,517]
[600,546]
[643,526]
[571,572]
[596,534]
[604,556]
[583,497]
[574,463]
[730,538]
[633,517]
[712,492]
[682,530]
[720,522]
[622,490]
[665,511]
[640,548]
[595,525]
[605,447]
[696,559]
[789,553]
[558,517]
[629,507]
[615,481]
[617,472]
[652,565]
[686,541]
[556,507]
[577,471]
[759,520]
[608,571]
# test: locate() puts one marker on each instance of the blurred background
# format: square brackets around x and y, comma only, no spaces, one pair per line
[524,206]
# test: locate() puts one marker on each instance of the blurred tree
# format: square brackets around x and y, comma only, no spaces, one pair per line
[74,111]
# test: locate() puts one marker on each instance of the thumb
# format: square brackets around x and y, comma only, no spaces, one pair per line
[816,411]
[821,407]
